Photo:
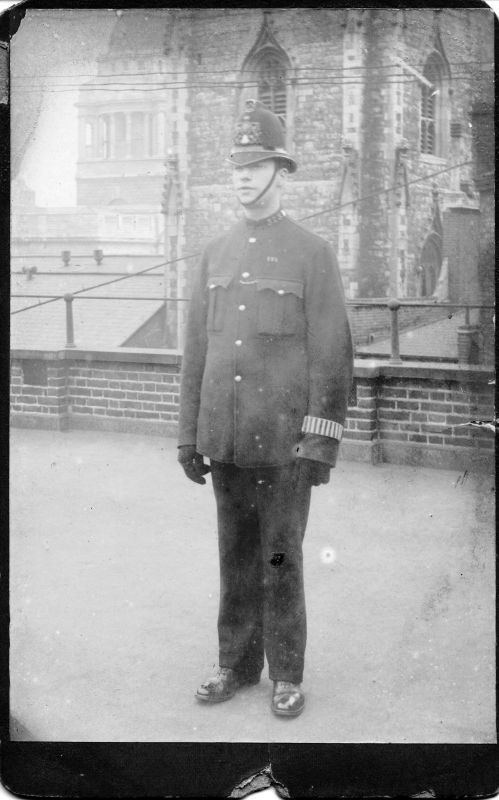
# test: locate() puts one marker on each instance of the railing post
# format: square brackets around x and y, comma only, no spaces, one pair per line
[70,336]
[394,306]
[468,348]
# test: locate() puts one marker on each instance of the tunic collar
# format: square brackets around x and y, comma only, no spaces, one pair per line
[257,223]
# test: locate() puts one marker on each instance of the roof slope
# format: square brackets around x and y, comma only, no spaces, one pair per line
[433,340]
[97,323]
[139,31]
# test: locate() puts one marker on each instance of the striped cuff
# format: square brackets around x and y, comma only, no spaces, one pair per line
[324,427]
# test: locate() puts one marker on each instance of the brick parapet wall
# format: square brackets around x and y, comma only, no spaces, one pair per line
[420,418]
[132,391]
[361,423]
[125,390]
[47,397]
[410,413]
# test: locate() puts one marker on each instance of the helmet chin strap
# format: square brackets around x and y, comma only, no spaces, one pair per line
[264,190]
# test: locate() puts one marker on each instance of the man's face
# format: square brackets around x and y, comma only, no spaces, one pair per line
[251,181]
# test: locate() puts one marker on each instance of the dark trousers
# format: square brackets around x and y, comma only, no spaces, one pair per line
[262,515]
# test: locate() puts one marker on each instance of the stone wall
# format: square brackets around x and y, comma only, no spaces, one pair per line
[390,100]
[312,41]
[484,141]
[461,247]
[412,413]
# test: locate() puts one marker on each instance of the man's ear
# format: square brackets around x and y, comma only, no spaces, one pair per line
[283,175]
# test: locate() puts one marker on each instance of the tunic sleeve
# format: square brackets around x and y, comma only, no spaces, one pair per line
[330,360]
[193,359]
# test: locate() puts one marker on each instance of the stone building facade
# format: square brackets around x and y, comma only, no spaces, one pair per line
[373,98]
[377,104]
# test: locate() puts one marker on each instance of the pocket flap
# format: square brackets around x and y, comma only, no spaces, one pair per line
[218,280]
[280,286]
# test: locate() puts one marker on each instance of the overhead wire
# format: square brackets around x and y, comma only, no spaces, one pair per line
[388,65]
[330,209]
[124,88]
[107,283]
[379,192]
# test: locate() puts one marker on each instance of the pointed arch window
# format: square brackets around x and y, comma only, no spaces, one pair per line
[434,106]
[270,71]
[430,264]
[267,73]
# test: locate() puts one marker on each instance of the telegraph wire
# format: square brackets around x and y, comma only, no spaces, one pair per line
[195,76]
[331,209]
[90,76]
[390,80]
[107,283]
[194,80]
[379,192]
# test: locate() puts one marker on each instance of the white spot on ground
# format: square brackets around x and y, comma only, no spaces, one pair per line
[328,555]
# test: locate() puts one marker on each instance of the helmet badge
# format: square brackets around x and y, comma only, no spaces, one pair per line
[248,132]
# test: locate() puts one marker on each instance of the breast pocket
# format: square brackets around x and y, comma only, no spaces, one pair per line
[217,287]
[280,302]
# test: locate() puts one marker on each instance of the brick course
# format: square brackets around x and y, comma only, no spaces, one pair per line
[420,412]
[139,391]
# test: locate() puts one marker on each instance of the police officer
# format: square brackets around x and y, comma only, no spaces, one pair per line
[266,373]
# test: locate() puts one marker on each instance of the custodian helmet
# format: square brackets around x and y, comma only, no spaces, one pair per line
[259,135]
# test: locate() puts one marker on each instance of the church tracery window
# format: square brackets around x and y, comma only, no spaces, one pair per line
[434,106]
[267,75]
[271,80]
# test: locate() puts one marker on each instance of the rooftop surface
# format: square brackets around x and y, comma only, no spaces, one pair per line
[114,595]
[434,339]
[97,323]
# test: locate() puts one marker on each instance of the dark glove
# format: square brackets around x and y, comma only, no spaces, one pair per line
[312,472]
[192,463]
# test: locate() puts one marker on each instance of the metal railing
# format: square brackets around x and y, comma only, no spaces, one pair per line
[392,305]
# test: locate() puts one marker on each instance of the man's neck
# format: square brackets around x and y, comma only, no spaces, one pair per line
[258,212]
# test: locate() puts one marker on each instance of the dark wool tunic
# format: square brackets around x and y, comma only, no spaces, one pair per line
[267,364]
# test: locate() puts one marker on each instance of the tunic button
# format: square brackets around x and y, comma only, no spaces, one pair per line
[242,308]
[238,378]
[252,240]
[245,275]
[238,342]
